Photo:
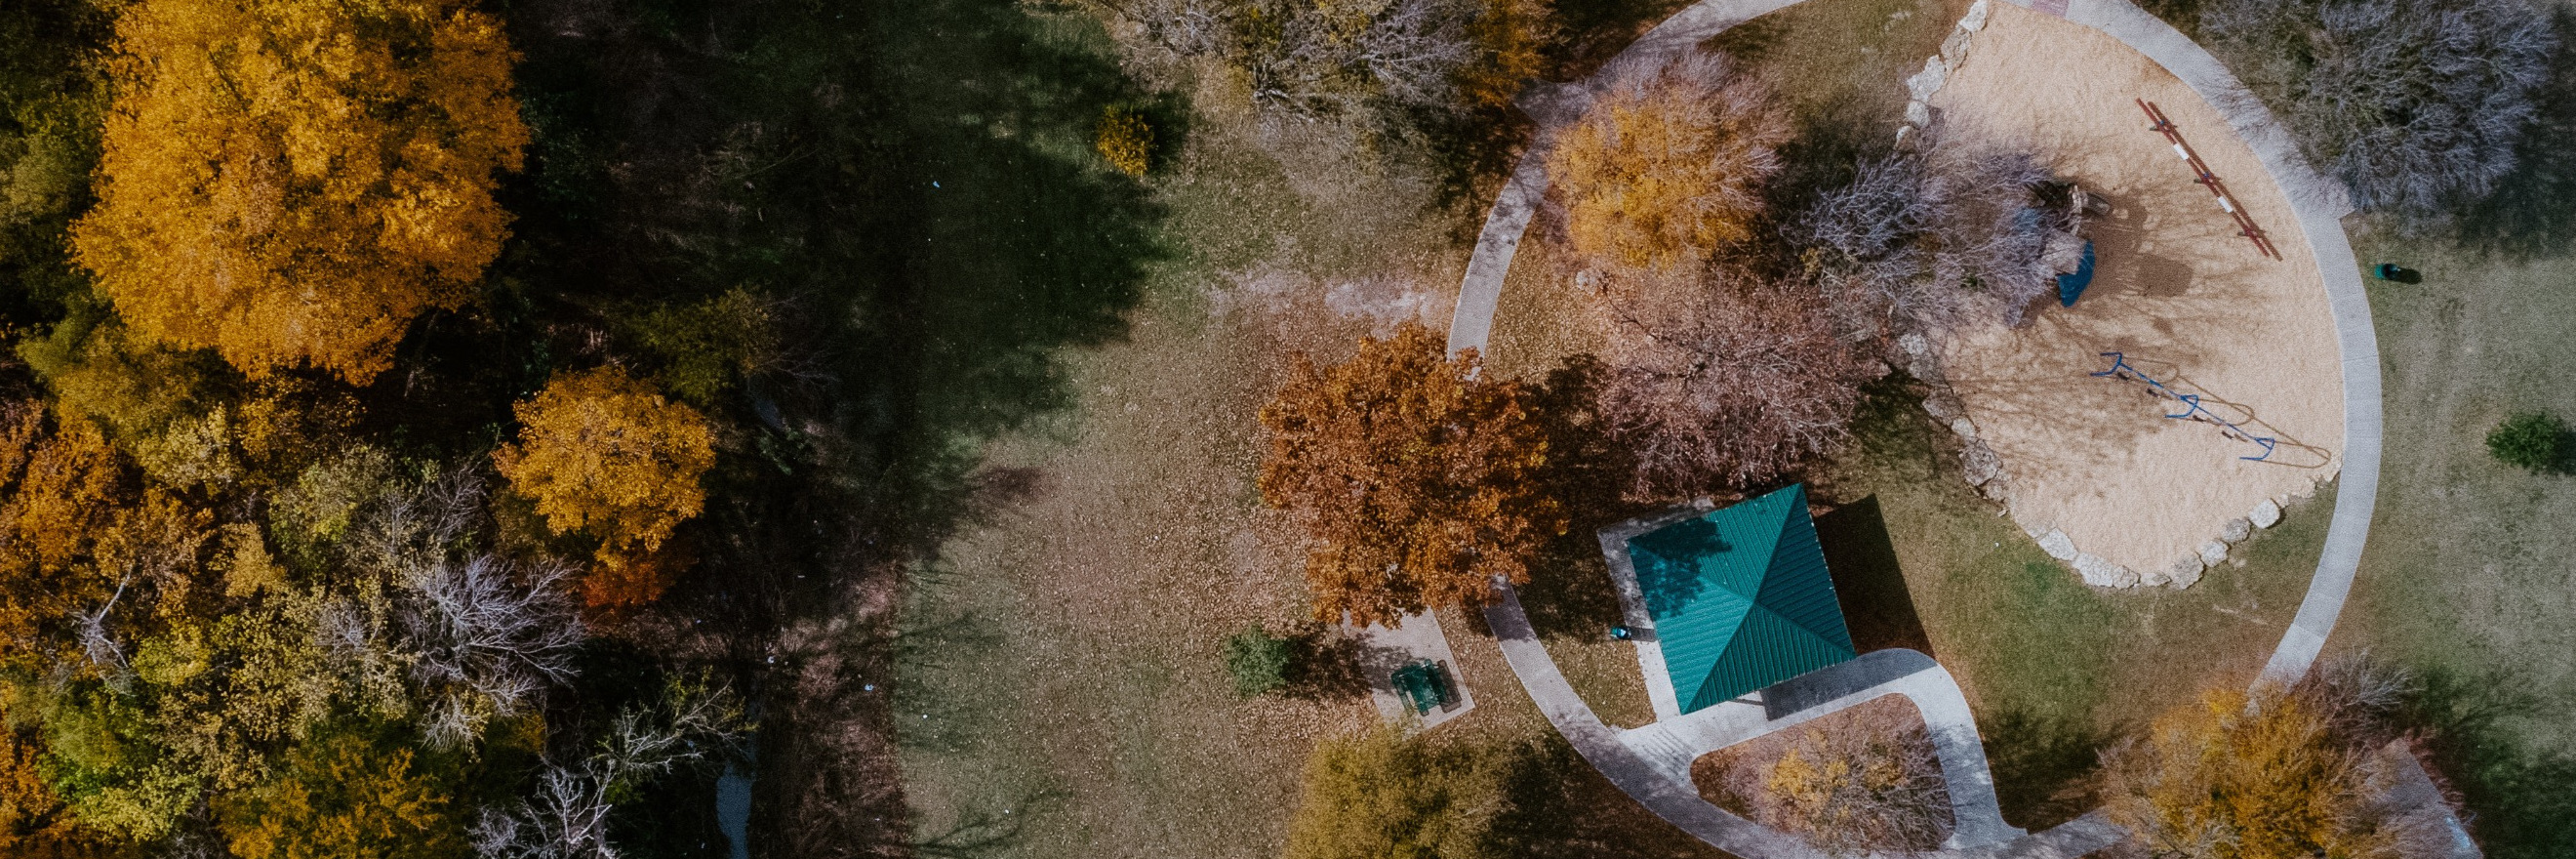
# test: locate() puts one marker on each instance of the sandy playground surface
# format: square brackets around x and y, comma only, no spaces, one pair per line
[2189,301]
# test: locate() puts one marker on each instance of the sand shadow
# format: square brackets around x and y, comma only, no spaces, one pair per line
[1861,555]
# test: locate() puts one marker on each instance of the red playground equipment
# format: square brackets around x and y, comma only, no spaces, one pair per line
[2200,171]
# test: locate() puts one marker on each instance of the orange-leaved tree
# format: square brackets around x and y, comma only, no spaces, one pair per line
[61,486]
[1421,481]
[603,453]
[1666,167]
[1510,38]
[290,182]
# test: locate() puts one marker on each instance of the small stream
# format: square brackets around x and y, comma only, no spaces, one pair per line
[733,809]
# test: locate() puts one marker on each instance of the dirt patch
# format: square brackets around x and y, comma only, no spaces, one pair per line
[2188,300]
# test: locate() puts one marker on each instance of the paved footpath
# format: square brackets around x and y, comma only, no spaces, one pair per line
[2320,204]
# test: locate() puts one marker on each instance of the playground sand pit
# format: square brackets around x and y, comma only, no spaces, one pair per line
[2191,303]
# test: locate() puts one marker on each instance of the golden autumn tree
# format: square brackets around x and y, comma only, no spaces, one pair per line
[2279,774]
[1666,167]
[1421,482]
[604,454]
[344,795]
[290,182]
[60,489]
[1381,795]
[1511,39]
[1867,783]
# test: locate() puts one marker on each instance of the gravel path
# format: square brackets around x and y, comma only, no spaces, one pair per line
[2319,204]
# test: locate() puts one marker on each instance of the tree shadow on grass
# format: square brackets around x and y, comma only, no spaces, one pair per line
[2043,766]
[915,183]
[1569,593]
[1326,667]
[1559,807]
[2521,800]
[1596,30]
[2532,213]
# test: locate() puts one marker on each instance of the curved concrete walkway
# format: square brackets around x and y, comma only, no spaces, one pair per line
[2320,204]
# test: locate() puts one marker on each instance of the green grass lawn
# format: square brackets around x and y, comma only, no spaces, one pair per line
[2467,577]
[2054,669]
[1060,688]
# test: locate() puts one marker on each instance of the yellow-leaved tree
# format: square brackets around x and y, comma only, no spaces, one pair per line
[604,454]
[291,182]
[1667,167]
[346,795]
[2283,773]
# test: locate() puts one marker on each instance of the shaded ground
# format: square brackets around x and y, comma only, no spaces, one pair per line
[934,229]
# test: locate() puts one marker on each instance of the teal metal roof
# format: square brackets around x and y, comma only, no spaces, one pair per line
[1740,598]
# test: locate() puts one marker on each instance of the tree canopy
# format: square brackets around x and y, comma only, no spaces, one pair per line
[1379,795]
[1420,480]
[290,182]
[604,454]
[1727,383]
[346,795]
[2417,105]
[2277,774]
[1666,167]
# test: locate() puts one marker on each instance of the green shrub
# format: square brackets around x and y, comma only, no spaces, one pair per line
[1127,140]
[2531,440]
[1258,661]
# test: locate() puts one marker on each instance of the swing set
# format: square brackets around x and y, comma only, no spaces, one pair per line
[2192,410]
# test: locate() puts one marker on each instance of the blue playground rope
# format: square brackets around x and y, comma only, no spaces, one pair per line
[2191,408]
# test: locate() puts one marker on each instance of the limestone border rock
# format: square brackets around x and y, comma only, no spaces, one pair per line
[1919,88]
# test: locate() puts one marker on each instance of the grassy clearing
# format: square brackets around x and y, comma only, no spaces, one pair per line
[2023,633]
[1060,687]
[2466,576]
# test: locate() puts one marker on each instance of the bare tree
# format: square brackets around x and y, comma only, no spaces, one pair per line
[485,638]
[476,634]
[2416,105]
[1934,241]
[1861,246]
[1989,234]
[1726,383]
[567,817]
[1318,60]
[410,532]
